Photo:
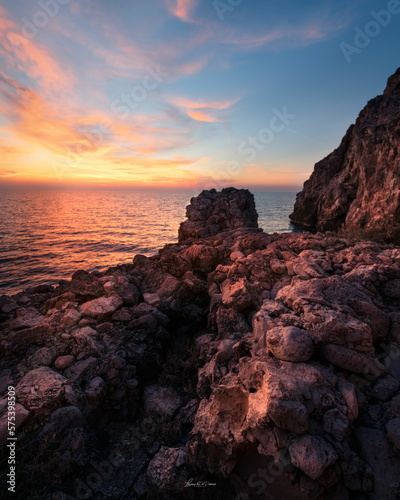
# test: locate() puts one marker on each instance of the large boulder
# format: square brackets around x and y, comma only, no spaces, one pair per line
[213,212]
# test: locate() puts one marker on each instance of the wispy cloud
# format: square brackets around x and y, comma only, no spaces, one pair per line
[287,35]
[29,57]
[182,9]
[204,111]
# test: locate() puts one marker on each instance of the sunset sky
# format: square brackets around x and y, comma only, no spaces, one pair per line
[184,93]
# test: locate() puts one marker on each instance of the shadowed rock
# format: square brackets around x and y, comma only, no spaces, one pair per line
[213,212]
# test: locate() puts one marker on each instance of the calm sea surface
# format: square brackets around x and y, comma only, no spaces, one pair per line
[48,235]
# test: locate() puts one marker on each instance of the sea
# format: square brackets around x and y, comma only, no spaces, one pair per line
[47,235]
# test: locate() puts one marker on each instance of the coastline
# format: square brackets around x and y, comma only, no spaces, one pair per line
[207,361]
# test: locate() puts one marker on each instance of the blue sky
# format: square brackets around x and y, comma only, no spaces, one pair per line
[185,93]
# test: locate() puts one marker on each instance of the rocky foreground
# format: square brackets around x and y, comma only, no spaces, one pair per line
[235,365]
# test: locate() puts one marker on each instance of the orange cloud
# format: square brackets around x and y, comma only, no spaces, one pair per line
[182,9]
[204,111]
[36,120]
[201,116]
[31,58]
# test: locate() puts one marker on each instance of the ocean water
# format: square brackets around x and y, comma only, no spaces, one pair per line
[47,235]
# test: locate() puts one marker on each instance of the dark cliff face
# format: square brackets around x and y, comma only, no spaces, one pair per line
[357,187]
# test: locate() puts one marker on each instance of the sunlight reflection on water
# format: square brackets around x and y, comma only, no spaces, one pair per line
[47,235]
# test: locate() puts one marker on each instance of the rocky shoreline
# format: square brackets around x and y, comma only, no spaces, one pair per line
[233,364]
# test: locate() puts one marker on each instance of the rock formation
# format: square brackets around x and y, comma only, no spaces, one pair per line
[357,187]
[211,213]
[266,365]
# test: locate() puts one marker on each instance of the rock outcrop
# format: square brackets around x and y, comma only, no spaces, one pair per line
[211,213]
[247,363]
[357,187]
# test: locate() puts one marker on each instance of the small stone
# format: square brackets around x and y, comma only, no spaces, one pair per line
[70,319]
[312,455]
[153,299]
[64,362]
[336,424]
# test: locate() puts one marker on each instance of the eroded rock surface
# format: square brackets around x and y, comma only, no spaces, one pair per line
[211,213]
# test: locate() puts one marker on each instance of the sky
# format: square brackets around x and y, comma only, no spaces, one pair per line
[185,93]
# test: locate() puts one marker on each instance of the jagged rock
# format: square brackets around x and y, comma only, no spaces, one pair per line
[81,369]
[70,319]
[312,455]
[153,299]
[212,212]
[237,294]
[64,417]
[358,184]
[260,394]
[26,318]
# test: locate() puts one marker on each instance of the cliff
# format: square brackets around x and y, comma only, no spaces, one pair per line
[237,365]
[357,187]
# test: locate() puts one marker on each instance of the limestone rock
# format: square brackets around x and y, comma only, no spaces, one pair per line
[290,344]
[312,455]
[26,318]
[351,360]
[102,307]
[40,387]
[212,212]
